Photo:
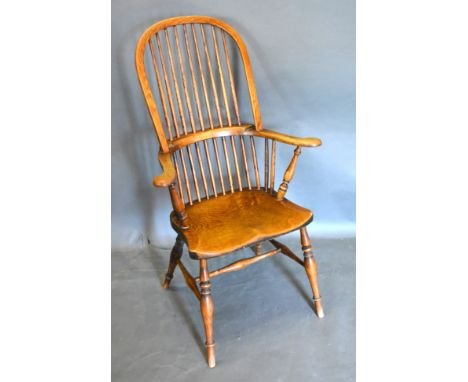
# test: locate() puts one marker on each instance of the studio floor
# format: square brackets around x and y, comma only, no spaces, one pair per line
[264,325]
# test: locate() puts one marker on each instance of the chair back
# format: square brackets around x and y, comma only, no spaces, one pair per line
[185,66]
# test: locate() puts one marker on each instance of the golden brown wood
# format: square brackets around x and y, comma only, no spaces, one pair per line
[179,208]
[168,87]
[219,222]
[272,166]
[179,183]
[174,119]
[288,175]
[226,106]
[207,311]
[189,280]
[286,251]
[221,76]
[232,221]
[208,109]
[168,176]
[144,83]
[216,132]
[181,113]
[160,88]
[218,109]
[267,165]
[176,253]
[310,266]
[186,178]
[242,264]
[236,108]
[231,79]
[199,110]
[192,121]
[245,162]
[254,156]
[288,139]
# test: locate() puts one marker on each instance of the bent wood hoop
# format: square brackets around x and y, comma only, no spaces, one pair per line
[144,83]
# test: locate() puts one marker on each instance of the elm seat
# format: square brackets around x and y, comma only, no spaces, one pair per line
[227,223]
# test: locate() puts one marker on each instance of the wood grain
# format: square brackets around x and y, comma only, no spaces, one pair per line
[207,312]
[227,223]
[176,254]
[310,266]
[288,174]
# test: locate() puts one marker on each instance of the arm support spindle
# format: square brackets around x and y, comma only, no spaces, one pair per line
[288,175]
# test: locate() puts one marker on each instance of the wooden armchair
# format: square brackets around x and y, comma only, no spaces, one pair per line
[210,159]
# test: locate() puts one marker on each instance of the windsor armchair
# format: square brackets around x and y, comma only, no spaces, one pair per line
[210,158]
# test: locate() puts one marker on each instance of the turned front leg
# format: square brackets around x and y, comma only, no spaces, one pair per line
[310,266]
[207,311]
[176,253]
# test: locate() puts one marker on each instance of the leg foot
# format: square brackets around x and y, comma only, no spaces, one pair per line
[176,253]
[207,311]
[310,266]
[210,353]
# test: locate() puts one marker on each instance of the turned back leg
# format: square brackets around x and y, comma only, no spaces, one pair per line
[310,266]
[207,311]
[258,249]
[176,253]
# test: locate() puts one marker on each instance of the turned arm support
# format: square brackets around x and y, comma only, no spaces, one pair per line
[167,179]
[288,175]
[290,140]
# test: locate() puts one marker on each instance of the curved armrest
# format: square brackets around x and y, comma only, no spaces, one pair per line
[168,176]
[288,139]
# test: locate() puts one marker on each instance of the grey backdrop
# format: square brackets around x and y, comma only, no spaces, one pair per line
[303,57]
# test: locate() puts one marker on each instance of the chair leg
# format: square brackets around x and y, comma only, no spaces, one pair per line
[310,266]
[207,311]
[258,249]
[176,253]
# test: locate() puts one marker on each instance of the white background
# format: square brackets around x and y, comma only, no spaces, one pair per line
[411,191]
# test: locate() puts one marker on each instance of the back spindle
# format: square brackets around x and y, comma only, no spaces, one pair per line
[218,109]
[199,110]
[236,108]
[193,71]
[208,108]
[189,106]
[182,114]
[267,165]
[272,166]
[226,105]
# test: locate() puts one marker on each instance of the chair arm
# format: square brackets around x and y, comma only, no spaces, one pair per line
[168,176]
[288,139]
[167,179]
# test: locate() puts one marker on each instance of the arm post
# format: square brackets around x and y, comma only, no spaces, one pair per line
[288,174]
